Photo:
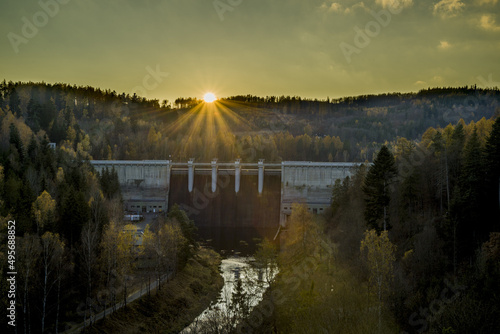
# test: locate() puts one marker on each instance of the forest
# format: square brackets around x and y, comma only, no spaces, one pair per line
[411,243]
[103,124]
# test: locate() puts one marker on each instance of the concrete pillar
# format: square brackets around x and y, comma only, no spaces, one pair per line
[261,175]
[214,175]
[167,184]
[237,173]
[190,175]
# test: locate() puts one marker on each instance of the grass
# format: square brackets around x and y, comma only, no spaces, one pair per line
[175,306]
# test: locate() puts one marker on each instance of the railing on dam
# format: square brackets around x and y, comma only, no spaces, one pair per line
[152,173]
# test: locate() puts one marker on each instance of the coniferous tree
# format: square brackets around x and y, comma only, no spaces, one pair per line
[492,169]
[188,229]
[14,102]
[15,139]
[468,200]
[454,155]
[33,113]
[377,189]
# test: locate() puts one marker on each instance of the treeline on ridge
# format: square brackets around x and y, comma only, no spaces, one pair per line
[103,124]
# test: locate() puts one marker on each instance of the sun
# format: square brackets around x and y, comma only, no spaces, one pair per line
[209,97]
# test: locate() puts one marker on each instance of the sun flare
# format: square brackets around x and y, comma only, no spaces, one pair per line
[209,97]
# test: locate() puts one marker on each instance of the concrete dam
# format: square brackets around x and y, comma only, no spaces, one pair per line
[235,194]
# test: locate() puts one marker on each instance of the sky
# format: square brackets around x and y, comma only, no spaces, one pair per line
[164,49]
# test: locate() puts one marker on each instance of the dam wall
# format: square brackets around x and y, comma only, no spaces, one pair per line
[256,195]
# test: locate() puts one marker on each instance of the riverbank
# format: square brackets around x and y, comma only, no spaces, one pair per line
[175,306]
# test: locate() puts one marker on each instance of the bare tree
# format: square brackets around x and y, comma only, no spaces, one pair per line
[109,261]
[88,253]
[29,250]
[52,256]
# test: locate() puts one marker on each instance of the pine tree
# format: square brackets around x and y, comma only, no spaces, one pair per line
[492,170]
[15,139]
[469,199]
[377,189]
[14,102]
[239,302]
[454,155]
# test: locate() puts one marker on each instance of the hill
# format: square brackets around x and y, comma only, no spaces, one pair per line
[103,124]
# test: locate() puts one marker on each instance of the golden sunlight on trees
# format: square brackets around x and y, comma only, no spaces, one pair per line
[109,261]
[118,252]
[164,247]
[301,236]
[43,210]
[24,130]
[380,261]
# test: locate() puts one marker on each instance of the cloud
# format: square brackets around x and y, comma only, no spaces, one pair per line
[394,3]
[444,45]
[435,80]
[359,5]
[333,7]
[448,8]
[336,7]
[488,22]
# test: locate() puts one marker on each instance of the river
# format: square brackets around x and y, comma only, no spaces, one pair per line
[219,314]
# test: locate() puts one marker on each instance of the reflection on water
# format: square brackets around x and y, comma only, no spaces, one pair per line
[228,241]
[220,315]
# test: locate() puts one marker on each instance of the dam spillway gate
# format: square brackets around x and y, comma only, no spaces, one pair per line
[233,194]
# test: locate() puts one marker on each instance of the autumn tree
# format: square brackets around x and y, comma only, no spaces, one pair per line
[301,236]
[126,254]
[380,259]
[165,246]
[43,210]
[188,230]
[377,189]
